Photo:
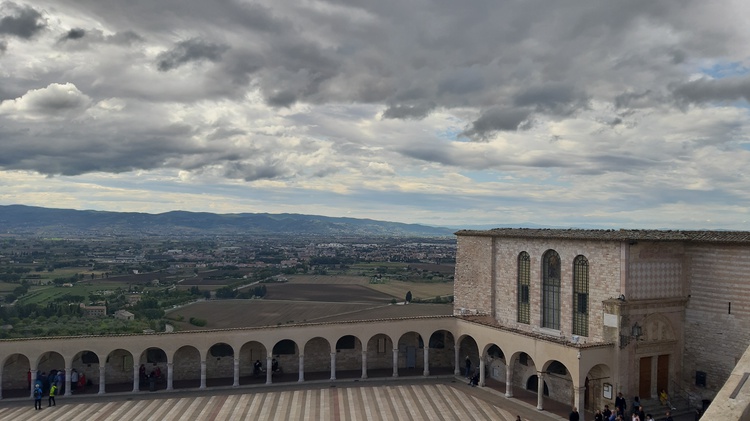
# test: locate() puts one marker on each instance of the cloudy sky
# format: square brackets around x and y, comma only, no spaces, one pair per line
[613,114]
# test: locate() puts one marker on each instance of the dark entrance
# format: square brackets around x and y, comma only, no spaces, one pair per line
[644,378]
[662,373]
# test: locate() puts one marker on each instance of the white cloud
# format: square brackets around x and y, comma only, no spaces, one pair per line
[56,101]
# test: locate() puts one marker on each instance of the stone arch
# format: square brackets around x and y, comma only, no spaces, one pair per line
[410,354]
[442,352]
[532,385]
[468,349]
[186,366]
[16,371]
[522,367]
[380,356]
[152,366]
[286,352]
[220,365]
[495,362]
[317,352]
[657,327]
[348,357]
[118,370]
[86,364]
[597,378]
[560,381]
[249,353]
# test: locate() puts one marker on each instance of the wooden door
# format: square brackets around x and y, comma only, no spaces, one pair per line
[662,373]
[644,378]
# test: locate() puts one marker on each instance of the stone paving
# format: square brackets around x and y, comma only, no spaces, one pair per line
[437,400]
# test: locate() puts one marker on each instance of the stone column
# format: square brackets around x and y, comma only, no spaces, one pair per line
[364,364]
[578,401]
[269,369]
[508,381]
[481,372]
[333,366]
[68,371]
[395,362]
[654,373]
[203,375]
[33,382]
[102,379]
[136,379]
[456,362]
[426,358]
[170,376]
[236,382]
[301,368]
[540,391]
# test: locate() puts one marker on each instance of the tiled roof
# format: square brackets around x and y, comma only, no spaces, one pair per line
[615,235]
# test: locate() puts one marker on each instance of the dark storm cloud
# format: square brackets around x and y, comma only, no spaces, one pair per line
[193,49]
[73,34]
[408,112]
[23,21]
[497,119]
[557,99]
[706,90]
[281,99]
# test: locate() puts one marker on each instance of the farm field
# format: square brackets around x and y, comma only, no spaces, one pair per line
[223,314]
[49,293]
[325,292]
[421,290]
[392,288]
[328,279]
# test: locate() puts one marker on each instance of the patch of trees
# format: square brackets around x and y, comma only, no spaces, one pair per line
[198,322]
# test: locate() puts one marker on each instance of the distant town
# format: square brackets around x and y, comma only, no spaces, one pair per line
[59,287]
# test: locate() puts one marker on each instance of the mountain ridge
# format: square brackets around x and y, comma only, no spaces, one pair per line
[41,221]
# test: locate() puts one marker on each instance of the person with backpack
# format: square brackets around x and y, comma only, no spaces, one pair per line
[38,396]
[52,392]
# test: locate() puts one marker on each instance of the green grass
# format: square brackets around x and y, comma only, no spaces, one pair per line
[8,287]
[43,294]
[375,265]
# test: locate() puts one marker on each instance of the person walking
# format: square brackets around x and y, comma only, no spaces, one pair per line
[52,393]
[468,367]
[38,396]
[73,380]
[574,416]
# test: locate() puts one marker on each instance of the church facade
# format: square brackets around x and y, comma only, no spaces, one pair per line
[670,308]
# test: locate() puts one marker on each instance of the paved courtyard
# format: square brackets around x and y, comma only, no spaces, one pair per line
[432,400]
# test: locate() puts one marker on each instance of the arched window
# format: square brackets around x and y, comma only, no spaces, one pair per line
[524,281]
[551,290]
[581,296]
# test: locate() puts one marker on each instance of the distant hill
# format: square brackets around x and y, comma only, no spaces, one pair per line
[31,220]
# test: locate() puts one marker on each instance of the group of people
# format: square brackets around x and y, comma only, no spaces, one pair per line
[52,384]
[149,378]
[258,367]
[636,410]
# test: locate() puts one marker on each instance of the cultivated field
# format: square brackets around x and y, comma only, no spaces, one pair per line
[419,290]
[328,279]
[315,288]
[325,292]
[224,314]
[221,314]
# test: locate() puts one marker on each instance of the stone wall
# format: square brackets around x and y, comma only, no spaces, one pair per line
[604,280]
[472,286]
[717,318]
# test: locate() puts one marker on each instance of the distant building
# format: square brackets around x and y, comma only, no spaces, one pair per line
[94,311]
[124,315]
